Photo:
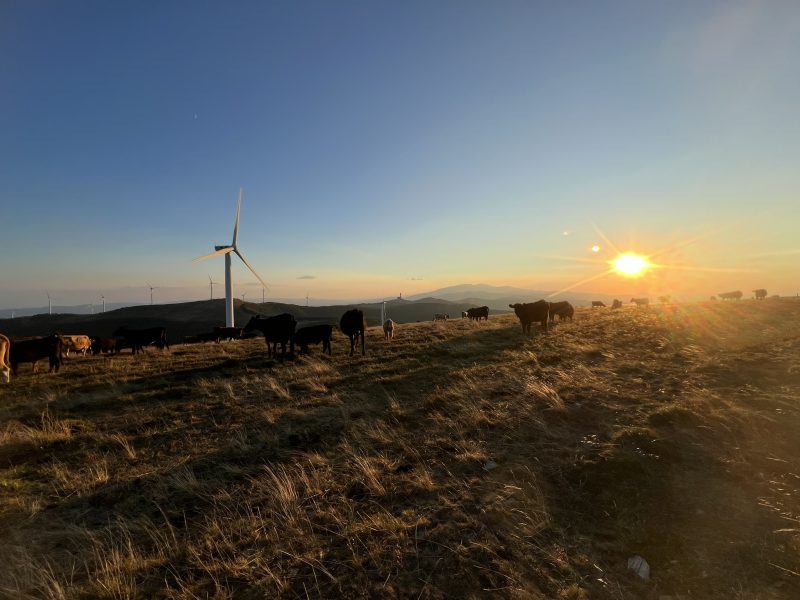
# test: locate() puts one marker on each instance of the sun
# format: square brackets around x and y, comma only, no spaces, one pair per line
[631,264]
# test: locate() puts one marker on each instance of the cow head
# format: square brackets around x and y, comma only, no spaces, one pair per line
[252,324]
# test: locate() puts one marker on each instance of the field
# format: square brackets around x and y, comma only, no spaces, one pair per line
[461,460]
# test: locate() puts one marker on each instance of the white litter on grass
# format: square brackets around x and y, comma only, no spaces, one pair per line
[639,565]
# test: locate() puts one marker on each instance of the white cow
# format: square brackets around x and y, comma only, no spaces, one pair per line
[388,329]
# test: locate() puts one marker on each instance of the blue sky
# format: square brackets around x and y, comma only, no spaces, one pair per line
[378,142]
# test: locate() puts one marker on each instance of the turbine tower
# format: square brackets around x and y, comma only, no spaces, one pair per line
[212,283]
[227,250]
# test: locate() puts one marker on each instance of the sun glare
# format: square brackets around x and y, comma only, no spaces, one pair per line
[631,264]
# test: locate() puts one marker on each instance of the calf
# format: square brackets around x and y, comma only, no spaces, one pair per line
[277,330]
[314,335]
[228,333]
[5,350]
[388,329]
[353,324]
[531,312]
[137,339]
[105,346]
[34,350]
[564,310]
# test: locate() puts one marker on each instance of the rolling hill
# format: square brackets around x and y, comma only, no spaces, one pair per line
[190,318]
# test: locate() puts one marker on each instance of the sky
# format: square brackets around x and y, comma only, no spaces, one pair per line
[397,147]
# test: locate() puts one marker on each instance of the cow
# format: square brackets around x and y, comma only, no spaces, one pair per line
[598,304]
[78,343]
[482,312]
[277,330]
[5,350]
[388,329]
[314,334]
[33,350]
[564,310]
[440,317]
[616,303]
[530,312]
[105,346]
[137,339]
[640,301]
[737,295]
[463,314]
[228,333]
[353,324]
[664,299]
[760,293]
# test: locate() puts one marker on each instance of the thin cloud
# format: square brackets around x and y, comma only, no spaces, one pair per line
[307,277]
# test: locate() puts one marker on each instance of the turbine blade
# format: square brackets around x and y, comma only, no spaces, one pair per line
[249,266]
[236,225]
[213,254]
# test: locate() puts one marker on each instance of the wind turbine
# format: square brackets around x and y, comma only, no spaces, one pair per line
[103,299]
[151,292]
[211,282]
[49,304]
[227,250]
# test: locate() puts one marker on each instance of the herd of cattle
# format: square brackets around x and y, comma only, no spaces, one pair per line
[278,330]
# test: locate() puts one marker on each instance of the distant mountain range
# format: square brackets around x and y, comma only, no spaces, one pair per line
[499,297]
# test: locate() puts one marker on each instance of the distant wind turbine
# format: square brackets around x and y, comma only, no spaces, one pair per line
[227,250]
[151,292]
[103,299]
[211,282]
[49,304]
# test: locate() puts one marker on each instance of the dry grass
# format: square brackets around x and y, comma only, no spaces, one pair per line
[461,460]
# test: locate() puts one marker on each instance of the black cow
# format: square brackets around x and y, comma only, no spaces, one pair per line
[314,335]
[137,339]
[33,350]
[530,312]
[482,312]
[353,324]
[277,330]
[563,310]
[209,336]
[228,333]
[106,346]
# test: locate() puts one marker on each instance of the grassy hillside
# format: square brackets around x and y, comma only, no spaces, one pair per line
[190,318]
[461,460]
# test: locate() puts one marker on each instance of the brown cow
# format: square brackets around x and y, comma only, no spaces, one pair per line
[616,304]
[598,304]
[33,350]
[353,324]
[5,350]
[388,329]
[530,312]
[641,301]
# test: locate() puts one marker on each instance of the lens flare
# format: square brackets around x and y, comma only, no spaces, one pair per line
[595,248]
[631,264]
